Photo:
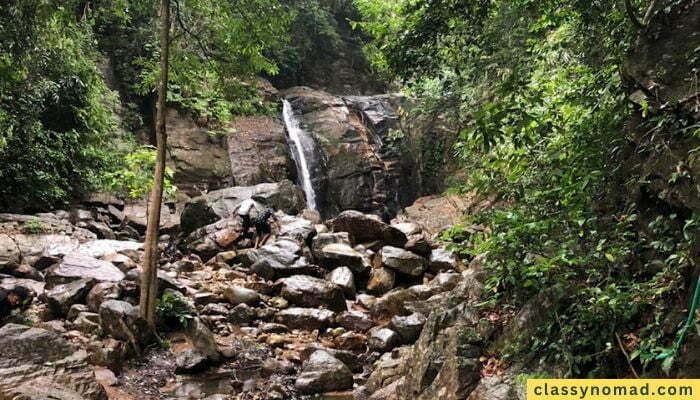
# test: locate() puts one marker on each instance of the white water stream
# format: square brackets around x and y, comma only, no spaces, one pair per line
[299,137]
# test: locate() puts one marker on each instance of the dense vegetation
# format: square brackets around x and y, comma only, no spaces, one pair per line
[535,90]
[64,132]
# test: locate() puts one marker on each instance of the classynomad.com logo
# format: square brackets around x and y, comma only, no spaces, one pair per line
[613,389]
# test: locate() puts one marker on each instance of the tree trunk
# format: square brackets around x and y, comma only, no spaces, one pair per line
[149,281]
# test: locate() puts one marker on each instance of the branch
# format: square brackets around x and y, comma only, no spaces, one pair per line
[649,13]
[632,15]
[629,362]
[207,53]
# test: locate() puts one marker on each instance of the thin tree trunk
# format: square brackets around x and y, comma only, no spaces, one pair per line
[149,282]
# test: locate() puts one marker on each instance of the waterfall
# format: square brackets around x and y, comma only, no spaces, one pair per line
[300,138]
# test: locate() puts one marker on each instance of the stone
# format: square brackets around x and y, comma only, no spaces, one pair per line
[76,267]
[344,278]
[352,341]
[10,252]
[383,339]
[271,327]
[39,364]
[87,322]
[354,321]
[403,261]
[340,254]
[498,387]
[323,373]
[122,321]
[75,310]
[22,271]
[305,318]
[408,228]
[441,260]
[109,353]
[307,291]
[275,366]
[215,309]
[237,295]
[188,263]
[102,292]
[419,244]
[241,314]
[202,339]
[295,228]
[366,228]
[445,281]
[408,327]
[218,204]
[352,361]
[124,263]
[103,247]
[62,297]
[135,217]
[381,280]
[190,361]
[323,239]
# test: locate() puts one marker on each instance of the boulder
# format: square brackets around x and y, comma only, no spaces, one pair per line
[381,280]
[325,238]
[307,291]
[408,327]
[135,217]
[40,364]
[122,321]
[354,321]
[61,297]
[280,258]
[241,314]
[499,387]
[383,339]
[367,228]
[202,339]
[419,244]
[305,318]
[76,267]
[124,263]
[323,373]
[102,292]
[237,295]
[103,247]
[218,204]
[10,253]
[441,260]
[295,228]
[344,278]
[340,254]
[215,238]
[403,261]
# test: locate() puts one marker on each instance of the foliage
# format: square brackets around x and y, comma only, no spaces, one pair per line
[534,90]
[34,226]
[217,48]
[55,112]
[173,310]
[135,178]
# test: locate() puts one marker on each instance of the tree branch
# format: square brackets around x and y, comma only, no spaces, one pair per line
[632,15]
[649,13]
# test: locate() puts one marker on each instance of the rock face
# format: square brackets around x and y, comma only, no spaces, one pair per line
[39,364]
[323,373]
[356,165]
[259,151]
[200,160]
[211,207]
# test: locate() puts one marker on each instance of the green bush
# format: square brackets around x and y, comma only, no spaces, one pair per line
[135,178]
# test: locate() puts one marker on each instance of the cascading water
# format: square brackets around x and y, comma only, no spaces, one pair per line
[301,143]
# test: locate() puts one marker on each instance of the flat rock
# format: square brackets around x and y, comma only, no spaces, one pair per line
[62,297]
[367,228]
[238,295]
[40,364]
[76,267]
[343,277]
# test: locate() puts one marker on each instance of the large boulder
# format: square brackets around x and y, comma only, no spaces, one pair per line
[103,247]
[280,258]
[135,215]
[212,206]
[343,277]
[40,364]
[307,291]
[62,297]
[323,373]
[354,163]
[403,261]
[215,238]
[367,228]
[123,321]
[76,267]
[340,254]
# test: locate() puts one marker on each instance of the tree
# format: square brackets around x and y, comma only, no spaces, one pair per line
[149,282]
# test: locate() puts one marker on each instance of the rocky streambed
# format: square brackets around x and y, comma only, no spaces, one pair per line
[349,308]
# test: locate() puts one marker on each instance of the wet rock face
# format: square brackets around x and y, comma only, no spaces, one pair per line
[259,151]
[49,366]
[356,166]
